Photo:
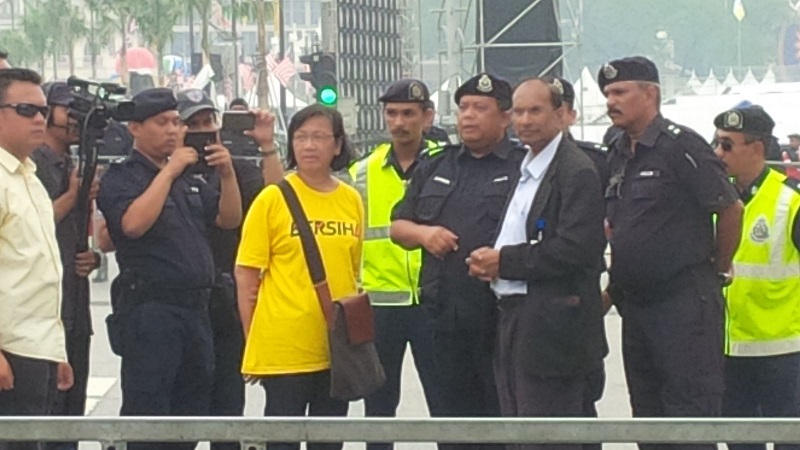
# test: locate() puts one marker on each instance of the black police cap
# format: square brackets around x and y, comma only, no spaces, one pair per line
[794,136]
[750,120]
[564,88]
[152,102]
[57,93]
[406,90]
[489,86]
[634,68]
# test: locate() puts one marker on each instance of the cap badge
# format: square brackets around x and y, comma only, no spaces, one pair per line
[733,119]
[415,92]
[485,84]
[610,71]
[195,95]
[559,87]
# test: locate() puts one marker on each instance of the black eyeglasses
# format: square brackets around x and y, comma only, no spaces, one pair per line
[28,109]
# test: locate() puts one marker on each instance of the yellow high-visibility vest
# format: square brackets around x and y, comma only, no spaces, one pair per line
[763,302]
[389,273]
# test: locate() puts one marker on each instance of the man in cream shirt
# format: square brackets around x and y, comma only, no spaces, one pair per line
[33,361]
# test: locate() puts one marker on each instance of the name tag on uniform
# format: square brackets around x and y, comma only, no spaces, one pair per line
[442,180]
[650,174]
[500,179]
[194,189]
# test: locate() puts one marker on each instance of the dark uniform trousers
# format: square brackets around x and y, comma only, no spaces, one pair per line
[468,388]
[762,387]
[395,328]
[167,358]
[672,343]
[34,394]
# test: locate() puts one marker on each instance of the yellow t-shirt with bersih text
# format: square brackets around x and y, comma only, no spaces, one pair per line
[288,333]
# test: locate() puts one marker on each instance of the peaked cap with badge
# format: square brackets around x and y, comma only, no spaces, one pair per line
[750,120]
[407,90]
[192,101]
[487,85]
[634,68]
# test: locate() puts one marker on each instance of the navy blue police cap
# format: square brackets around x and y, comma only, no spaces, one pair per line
[152,102]
[750,120]
[564,88]
[487,85]
[406,90]
[634,68]
[57,93]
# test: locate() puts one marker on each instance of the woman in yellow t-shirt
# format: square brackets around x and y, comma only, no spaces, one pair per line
[287,341]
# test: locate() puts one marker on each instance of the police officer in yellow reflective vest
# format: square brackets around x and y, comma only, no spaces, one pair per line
[762,347]
[390,274]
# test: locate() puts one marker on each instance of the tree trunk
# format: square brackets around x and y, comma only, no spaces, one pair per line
[123,52]
[261,64]
[71,56]
[156,48]
[93,45]
[55,61]
[205,43]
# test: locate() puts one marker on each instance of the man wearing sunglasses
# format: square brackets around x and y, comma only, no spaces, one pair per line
[33,358]
[669,257]
[57,173]
[762,351]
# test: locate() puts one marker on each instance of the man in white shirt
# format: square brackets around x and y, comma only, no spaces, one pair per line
[545,267]
[33,360]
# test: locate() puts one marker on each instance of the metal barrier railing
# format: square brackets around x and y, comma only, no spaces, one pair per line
[114,432]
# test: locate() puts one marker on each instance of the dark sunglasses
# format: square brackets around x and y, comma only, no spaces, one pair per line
[28,109]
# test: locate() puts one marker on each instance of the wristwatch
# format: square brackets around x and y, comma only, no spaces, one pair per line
[725,278]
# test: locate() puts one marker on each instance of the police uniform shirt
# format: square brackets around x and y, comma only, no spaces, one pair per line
[660,202]
[391,160]
[466,195]
[174,252]
[598,153]
[54,171]
[747,194]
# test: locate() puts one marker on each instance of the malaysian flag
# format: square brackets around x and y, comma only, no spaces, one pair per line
[283,70]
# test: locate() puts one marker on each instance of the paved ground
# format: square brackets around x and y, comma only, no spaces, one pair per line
[104,390]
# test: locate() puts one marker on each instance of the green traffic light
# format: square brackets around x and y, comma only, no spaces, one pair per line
[327,96]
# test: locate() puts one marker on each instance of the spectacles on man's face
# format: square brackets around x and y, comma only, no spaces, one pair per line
[28,110]
[727,145]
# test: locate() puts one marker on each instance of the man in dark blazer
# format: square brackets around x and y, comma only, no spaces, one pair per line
[545,267]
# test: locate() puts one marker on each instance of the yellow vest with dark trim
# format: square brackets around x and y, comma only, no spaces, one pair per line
[389,273]
[763,302]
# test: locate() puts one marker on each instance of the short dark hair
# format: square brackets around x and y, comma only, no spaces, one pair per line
[342,160]
[556,98]
[238,101]
[19,74]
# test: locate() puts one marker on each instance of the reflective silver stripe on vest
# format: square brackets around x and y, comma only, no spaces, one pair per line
[390,298]
[371,233]
[375,233]
[776,270]
[766,348]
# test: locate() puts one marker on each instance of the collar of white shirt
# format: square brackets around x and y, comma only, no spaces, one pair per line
[535,165]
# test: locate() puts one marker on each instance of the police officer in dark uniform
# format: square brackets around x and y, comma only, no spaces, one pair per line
[158,216]
[433,132]
[57,173]
[452,206]
[669,262]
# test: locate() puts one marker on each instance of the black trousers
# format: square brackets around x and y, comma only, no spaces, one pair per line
[167,364]
[672,346]
[73,401]
[397,327]
[227,391]
[34,393]
[594,386]
[468,388]
[305,394]
[762,387]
